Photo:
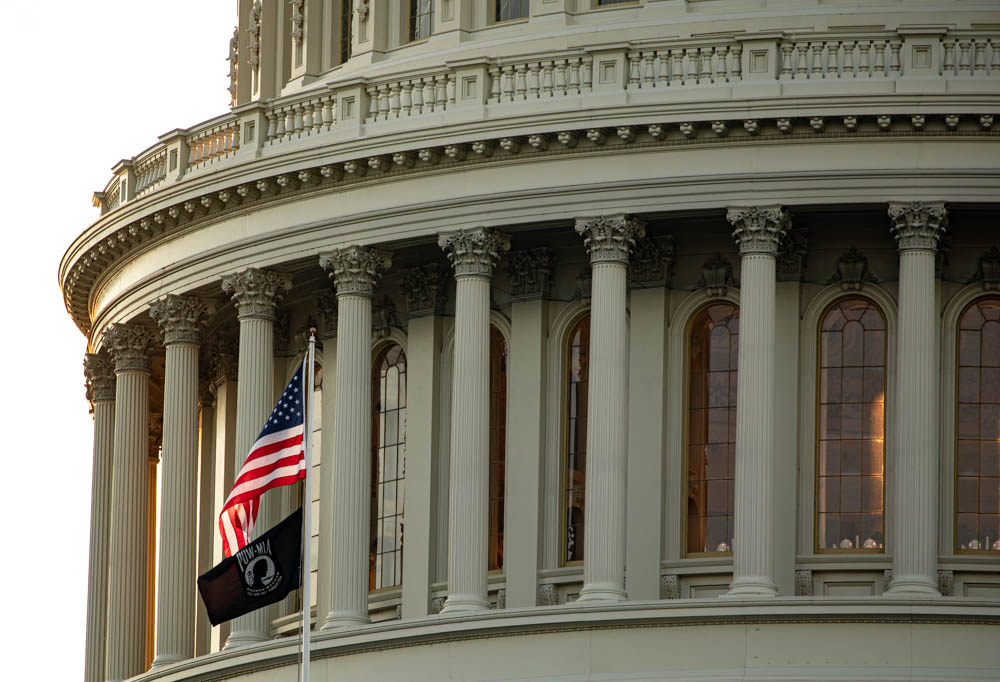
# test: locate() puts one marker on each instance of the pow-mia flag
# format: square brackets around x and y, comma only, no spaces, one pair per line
[261,573]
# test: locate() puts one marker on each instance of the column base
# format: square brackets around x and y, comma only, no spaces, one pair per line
[244,638]
[464,603]
[343,619]
[752,587]
[601,592]
[164,660]
[916,586]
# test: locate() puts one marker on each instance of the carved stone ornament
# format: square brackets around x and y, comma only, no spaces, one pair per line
[256,292]
[803,583]
[548,595]
[670,587]
[254,30]
[355,269]
[988,270]
[530,273]
[917,225]
[758,229]
[584,284]
[206,392]
[501,599]
[946,583]
[222,351]
[326,307]
[234,60]
[298,20]
[155,435]
[362,10]
[384,318]
[281,332]
[180,318]
[100,376]
[792,256]
[717,276]
[886,578]
[610,238]
[475,251]
[437,603]
[426,289]
[852,271]
[130,344]
[652,263]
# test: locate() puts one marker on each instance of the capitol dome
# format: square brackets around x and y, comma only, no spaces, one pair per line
[659,340]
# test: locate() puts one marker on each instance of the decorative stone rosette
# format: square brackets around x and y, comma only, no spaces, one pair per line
[256,292]
[759,229]
[611,238]
[355,269]
[180,318]
[475,251]
[130,344]
[100,376]
[917,225]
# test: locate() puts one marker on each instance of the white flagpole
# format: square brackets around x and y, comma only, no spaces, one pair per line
[307,511]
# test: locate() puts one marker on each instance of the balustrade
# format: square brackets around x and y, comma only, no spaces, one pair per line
[684,65]
[150,171]
[213,142]
[540,79]
[411,96]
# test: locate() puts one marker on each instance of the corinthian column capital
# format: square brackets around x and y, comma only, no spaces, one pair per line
[100,376]
[758,229]
[474,251]
[256,292]
[130,345]
[917,225]
[355,269]
[610,238]
[180,317]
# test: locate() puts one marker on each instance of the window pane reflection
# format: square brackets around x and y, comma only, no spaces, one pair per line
[498,446]
[576,438]
[851,449]
[977,451]
[711,433]
[385,561]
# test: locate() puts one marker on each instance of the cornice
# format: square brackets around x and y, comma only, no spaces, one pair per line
[163,222]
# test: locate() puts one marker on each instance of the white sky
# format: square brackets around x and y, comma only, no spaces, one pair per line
[83,84]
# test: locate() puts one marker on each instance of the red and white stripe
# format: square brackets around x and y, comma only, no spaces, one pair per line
[275,459]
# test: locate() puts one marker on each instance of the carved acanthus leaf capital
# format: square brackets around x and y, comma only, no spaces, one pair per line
[426,289]
[256,292]
[758,229]
[326,308]
[530,272]
[355,269]
[130,345]
[100,376]
[918,225]
[180,317]
[610,238]
[474,251]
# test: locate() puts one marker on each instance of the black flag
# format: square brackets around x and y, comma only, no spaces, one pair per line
[261,573]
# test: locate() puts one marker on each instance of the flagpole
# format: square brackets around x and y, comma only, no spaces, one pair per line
[307,511]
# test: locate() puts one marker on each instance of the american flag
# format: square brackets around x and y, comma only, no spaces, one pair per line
[276,458]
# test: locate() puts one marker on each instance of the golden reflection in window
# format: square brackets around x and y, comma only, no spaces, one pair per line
[711,431]
[385,562]
[977,456]
[498,445]
[851,460]
[576,438]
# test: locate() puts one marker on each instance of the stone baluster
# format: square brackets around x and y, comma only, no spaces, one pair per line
[758,231]
[913,508]
[473,253]
[609,240]
[179,318]
[129,345]
[256,293]
[100,375]
[355,271]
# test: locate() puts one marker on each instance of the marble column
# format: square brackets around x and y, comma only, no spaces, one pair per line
[129,345]
[472,253]
[100,375]
[355,271]
[179,318]
[758,231]
[256,294]
[913,506]
[609,240]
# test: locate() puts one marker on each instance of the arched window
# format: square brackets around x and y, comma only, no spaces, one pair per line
[388,468]
[977,455]
[498,445]
[575,471]
[850,466]
[711,428]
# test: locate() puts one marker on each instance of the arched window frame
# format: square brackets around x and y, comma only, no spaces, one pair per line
[505,360]
[564,418]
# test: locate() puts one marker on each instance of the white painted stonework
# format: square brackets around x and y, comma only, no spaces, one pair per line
[634,162]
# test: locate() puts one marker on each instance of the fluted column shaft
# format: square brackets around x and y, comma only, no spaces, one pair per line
[101,382]
[758,232]
[609,240]
[355,271]
[126,647]
[914,506]
[256,293]
[473,254]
